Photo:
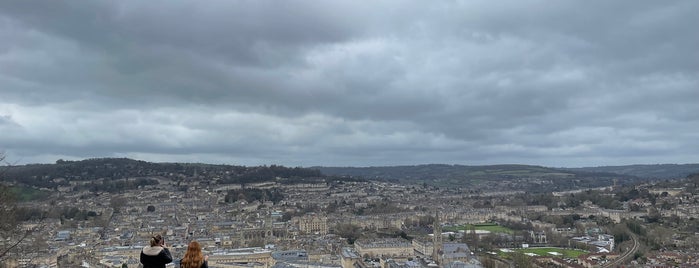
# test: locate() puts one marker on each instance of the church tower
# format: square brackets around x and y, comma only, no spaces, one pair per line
[437,242]
[269,232]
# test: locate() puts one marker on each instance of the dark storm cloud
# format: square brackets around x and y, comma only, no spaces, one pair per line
[348,83]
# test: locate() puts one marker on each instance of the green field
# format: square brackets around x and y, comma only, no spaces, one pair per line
[564,253]
[493,228]
[26,194]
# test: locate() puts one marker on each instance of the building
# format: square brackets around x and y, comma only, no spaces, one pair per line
[350,258]
[456,252]
[242,257]
[387,248]
[63,236]
[422,246]
[313,224]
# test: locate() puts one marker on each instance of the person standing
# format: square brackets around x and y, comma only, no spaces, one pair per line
[194,258]
[157,254]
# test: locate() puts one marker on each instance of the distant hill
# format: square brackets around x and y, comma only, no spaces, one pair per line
[488,178]
[660,171]
[441,171]
[110,174]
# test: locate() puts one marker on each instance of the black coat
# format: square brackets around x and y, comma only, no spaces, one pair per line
[155,257]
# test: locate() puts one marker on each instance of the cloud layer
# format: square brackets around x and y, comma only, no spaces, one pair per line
[347,83]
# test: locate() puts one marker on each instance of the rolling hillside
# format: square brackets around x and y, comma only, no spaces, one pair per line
[660,171]
[487,178]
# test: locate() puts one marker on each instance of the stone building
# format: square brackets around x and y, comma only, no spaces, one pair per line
[394,248]
[312,224]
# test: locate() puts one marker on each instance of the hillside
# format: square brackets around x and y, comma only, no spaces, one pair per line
[487,178]
[439,171]
[113,174]
[660,171]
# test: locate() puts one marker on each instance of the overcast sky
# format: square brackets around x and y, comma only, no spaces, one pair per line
[351,83]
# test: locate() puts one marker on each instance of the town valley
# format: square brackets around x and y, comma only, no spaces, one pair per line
[101,212]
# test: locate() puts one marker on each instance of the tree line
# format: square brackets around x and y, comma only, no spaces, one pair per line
[112,172]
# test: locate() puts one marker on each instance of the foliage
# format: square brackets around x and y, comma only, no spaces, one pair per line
[662,171]
[117,186]
[392,233]
[620,233]
[516,225]
[110,174]
[117,203]
[348,231]
[27,194]
[72,213]
[29,214]
[636,227]
[8,222]
[531,179]
[630,192]
[280,174]
[521,260]
[597,197]
[7,208]
[693,183]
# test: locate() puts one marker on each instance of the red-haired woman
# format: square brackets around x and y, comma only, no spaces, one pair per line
[194,258]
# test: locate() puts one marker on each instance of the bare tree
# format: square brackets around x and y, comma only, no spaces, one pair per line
[6,203]
[2,163]
[8,221]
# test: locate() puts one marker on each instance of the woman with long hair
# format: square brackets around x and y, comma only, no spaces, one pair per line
[194,258]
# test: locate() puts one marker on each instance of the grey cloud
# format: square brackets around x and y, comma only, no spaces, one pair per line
[342,82]
[6,120]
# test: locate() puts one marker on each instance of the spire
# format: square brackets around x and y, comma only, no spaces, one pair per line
[268,227]
[437,242]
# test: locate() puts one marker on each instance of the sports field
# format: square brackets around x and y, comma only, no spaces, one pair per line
[547,251]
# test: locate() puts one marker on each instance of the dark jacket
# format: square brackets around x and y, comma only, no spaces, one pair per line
[155,257]
[205,264]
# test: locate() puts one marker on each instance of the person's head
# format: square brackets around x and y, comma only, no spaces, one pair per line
[193,258]
[156,240]
[194,247]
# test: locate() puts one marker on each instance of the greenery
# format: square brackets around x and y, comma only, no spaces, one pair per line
[636,227]
[531,179]
[8,198]
[117,186]
[118,174]
[27,194]
[7,208]
[348,231]
[661,171]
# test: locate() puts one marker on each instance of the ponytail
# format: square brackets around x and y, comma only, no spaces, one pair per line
[155,240]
